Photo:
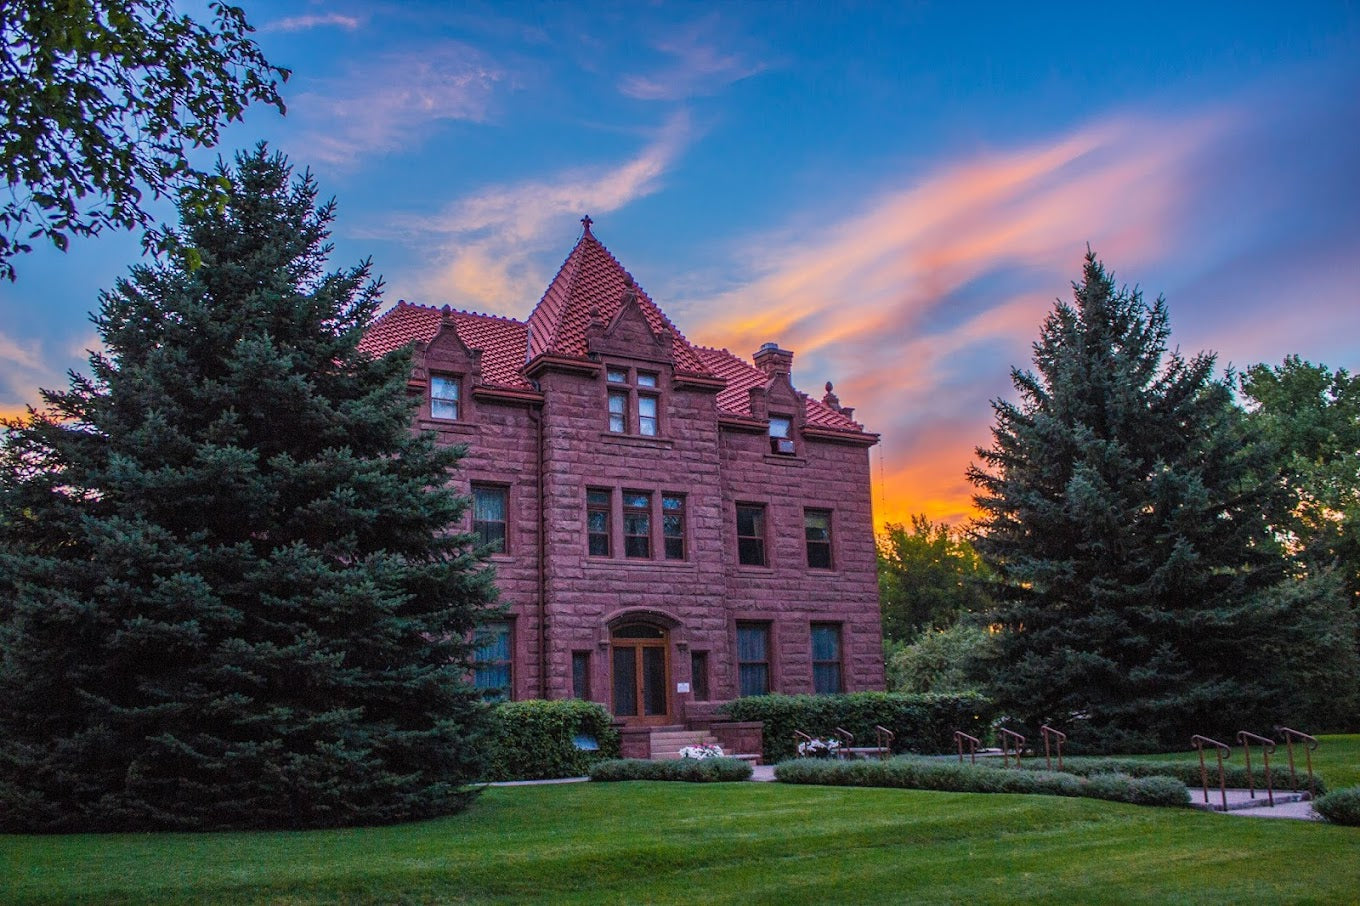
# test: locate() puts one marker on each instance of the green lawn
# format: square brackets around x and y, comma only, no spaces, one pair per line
[738,843]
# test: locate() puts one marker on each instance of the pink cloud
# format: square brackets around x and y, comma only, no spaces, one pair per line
[871,300]
[696,65]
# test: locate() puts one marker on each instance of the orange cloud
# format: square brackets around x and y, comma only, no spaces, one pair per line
[918,304]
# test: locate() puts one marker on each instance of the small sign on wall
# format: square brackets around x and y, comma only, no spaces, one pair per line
[682,687]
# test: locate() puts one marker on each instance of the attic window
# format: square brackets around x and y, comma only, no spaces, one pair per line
[445,394]
[634,401]
[781,430]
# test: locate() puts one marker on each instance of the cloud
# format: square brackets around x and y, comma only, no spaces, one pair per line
[306,23]
[697,66]
[394,101]
[488,243]
[23,369]
[917,304]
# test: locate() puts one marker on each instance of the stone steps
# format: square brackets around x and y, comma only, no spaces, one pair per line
[666,744]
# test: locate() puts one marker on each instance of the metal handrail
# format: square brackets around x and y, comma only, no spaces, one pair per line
[847,741]
[1059,737]
[1224,751]
[1267,746]
[973,743]
[883,737]
[1012,736]
[1310,745]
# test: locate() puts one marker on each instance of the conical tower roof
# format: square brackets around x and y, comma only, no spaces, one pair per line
[592,285]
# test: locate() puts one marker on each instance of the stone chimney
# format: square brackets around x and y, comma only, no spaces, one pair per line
[772,360]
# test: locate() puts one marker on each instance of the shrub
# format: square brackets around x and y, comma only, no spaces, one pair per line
[1187,772]
[690,770]
[535,740]
[1340,807]
[921,723]
[946,776]
[939,660]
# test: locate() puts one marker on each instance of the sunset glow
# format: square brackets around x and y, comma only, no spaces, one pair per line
[896,194]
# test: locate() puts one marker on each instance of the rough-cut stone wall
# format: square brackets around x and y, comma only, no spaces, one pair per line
[699,600]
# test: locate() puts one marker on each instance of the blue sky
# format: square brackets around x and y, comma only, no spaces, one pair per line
[897,192]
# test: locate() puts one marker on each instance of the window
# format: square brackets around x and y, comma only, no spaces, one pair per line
[444,397]
[781,435]
[647,415]
[817,529]
[598,504]
[753,658]
[698,671]
[634,401]
[490,504]
[673,525]
[637,524]
[826,658]
[750,535]
[618,411]
[580,675]
[491,661]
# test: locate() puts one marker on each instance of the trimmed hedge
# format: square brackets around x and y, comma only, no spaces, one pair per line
[945,776]
[1187,772]
[534,740]
[1340,807]
[922,722]
[690,770]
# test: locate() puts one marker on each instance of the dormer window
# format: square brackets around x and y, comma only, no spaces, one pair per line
[634,401]
[781,435]
[445,396]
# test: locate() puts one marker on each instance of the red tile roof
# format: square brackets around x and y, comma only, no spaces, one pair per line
[741,376]
[503,341]
[590,278]
[593,279]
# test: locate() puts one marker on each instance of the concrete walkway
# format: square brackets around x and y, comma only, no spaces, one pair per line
[1241,802]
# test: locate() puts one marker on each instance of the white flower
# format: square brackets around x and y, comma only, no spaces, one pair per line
[702,751]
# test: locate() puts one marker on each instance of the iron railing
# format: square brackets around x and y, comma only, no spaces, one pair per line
[847,741]
[1009,737]
[1267,746]
[973,742]
[1310,745]
[883,738]
[1058,737]
[1224,751]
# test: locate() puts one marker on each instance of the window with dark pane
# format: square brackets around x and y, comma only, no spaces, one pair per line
[647,415]
[492,661]
[817,528]
[637,524]
[580,675]
[750,535]
[490,504]
[445,394]
[673,525]
[618,411]
[753,658]
[599,502]
[826,658]
[698,664]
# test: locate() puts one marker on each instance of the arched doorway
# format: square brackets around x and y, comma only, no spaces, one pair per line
[640,673]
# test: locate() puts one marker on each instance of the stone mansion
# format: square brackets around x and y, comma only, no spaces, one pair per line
[673,525]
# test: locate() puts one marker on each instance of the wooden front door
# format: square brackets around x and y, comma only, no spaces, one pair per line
[641,671]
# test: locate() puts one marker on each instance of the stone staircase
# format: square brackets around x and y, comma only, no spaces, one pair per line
[668,741]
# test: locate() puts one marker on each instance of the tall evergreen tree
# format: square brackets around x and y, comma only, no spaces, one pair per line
[1124,510]
[229,595]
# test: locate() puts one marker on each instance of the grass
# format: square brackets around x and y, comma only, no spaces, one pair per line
[1337,759]
[723,843]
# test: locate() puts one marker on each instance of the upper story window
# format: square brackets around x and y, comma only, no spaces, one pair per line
[781,435]
[445,397]
[637,524]
[750,534]
[817,530]
[673,525]
[490,506]
[599,503]
[634,401]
